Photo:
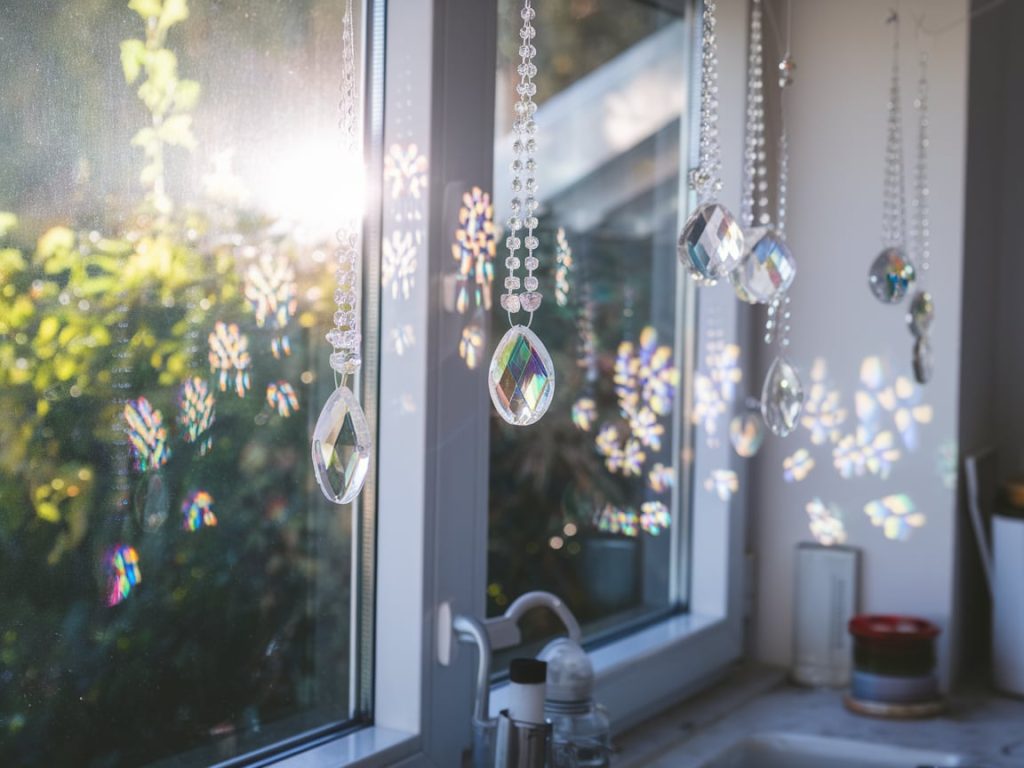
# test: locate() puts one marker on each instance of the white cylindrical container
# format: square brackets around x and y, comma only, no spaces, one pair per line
[526,688]
[1008,603]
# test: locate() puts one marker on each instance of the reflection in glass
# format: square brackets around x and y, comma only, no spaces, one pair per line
[600,463]
[167,211]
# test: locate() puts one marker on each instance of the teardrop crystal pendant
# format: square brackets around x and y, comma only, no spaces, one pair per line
[782,398]
[924,363]
[746,432]
[921,314]
[767,269]
[891,275]
[341,447]
[711,243]
[522,377]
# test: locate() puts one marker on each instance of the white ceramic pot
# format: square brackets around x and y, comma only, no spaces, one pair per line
[1008,604]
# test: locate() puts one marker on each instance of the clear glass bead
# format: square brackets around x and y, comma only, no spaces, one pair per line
[514,224]
[532,242]
[512,283]
[512,243]
[530,283]
[532,263]
[512,262]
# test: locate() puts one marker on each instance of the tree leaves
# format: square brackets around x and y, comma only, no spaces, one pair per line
[132,53]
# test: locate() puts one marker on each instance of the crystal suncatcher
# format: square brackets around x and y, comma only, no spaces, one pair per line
[521,378]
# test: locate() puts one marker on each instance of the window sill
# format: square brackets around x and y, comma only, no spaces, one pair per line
[660,665]
[371,746]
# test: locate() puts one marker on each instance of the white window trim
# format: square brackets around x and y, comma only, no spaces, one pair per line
[432,530]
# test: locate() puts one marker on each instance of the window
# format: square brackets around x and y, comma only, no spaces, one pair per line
[172,584]
[584,503]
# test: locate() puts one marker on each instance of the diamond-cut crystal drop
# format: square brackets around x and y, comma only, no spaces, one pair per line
[921,314]
[341,447]
[891,275]
[782,398]
[768,267]
[924,363]
[711,243]
[521,378]
[531,300]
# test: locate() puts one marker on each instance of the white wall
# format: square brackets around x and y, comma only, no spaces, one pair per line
[836,119]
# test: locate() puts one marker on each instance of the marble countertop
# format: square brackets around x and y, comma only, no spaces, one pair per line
[983,727]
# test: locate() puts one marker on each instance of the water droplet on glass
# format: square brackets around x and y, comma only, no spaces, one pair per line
[341,447]
[711,243]
[782,397]
[891,275]
[521,377]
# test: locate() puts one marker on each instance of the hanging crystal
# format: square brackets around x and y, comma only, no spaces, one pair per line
[921,314]
[768,269]
[891,275]
[342,444]
[341,447]
[782,398]
[746,433]
[922,308]
[521,379]
[923,360]
[711,242]
[892,272]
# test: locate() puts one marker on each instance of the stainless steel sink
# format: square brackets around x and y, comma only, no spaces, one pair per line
[791,750]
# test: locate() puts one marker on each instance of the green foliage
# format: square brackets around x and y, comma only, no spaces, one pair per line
[219,625]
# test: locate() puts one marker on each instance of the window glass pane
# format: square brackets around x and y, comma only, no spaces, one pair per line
[580,503]
[171,580]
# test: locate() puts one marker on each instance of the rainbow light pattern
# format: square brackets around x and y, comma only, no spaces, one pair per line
[798,466]
[281,396]
[471,345]
[611,519]
[584,413]
[405,171]
[197,511]
[860,453]
[723,483]
[147,434]
[661,478]
[123,573]
[822,414]
[896,515]
[196,413]
[403,338]
[563,266]
[474,249]
[271,291]
[746,433]
[826,523]
[654,517]
[622,453]
[398,264]
[229,356]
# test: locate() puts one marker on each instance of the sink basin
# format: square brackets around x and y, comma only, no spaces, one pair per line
[791,750]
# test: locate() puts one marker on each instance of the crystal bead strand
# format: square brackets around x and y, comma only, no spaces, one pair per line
[711,242]
[893,201]
[524,182]
[922,308]
[345,337]
[922,234]
[707,180]
[521,376]
[755,171]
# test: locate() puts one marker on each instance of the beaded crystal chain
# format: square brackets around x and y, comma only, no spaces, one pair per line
[706,179]
[922,225]
[893,200]
[345,337]
[754,205]
[524,183]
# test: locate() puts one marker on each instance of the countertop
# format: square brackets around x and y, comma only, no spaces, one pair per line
[982,726]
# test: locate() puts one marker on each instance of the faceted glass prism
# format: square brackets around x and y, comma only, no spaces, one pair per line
[921,314]
[782,397]
[341,447]
[522,377]
[711,243]
[767,269]
[891,275]
[924,363]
